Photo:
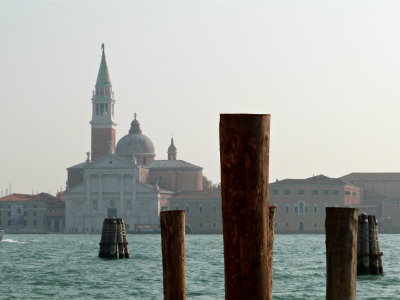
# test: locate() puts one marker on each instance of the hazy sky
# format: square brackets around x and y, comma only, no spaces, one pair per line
[327,71]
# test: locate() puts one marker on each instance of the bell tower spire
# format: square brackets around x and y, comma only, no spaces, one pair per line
[172,151]
[103,123]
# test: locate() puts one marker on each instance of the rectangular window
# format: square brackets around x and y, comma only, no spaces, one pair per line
[34,213]
[34,223]
[315,192]
[187,209]
[177,207]
[214,225]
[325,192]
[300,192]
[9,222]
[201,209]
[347,193]
[354,194]
[201,225]
[335,192]
[275,192]
[286,192]
[214,210]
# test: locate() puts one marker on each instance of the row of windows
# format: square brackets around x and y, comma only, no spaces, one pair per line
[25,223]
[24,206]
[34,213]
[300,208]
[301,225]
[287,192]
[200,209]
[214,225]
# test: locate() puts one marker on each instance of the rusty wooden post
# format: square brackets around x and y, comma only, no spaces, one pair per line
[113,239]
[173,253]
[364,242]
[270,244]
[341,225]
[124,239]
[244,151]
[104,244]
[120,240]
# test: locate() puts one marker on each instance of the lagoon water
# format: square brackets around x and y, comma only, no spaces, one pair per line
[67,267]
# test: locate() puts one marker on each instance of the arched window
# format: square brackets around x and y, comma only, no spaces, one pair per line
[187,209]
[301,208]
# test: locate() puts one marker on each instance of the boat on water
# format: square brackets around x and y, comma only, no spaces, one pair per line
[1,234]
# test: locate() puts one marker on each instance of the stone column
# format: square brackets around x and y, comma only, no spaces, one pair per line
[87,212]
[133,201]
[121,196]
[100,204]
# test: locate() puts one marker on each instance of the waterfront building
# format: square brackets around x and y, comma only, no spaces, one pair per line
[203,210]
[381,197]
[122,179]
[300,203]
[24,213]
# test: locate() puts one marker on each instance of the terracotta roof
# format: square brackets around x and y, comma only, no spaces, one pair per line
[319,179]
[198,195]
[28,197]
[173,164]
[153,186]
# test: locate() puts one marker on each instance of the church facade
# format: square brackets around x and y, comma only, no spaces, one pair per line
[122,179]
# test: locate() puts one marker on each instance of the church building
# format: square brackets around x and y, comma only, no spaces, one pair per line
[122,179]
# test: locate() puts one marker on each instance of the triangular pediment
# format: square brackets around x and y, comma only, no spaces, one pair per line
[111,161]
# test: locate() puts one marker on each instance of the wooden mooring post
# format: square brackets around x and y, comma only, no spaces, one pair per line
[270,244]
[341,225]
[113,239]
[173,253]
[369,255]
[244,152]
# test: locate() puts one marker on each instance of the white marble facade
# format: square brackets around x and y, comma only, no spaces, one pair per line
[110,188]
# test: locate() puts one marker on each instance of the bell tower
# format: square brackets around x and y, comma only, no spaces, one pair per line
[103,123]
